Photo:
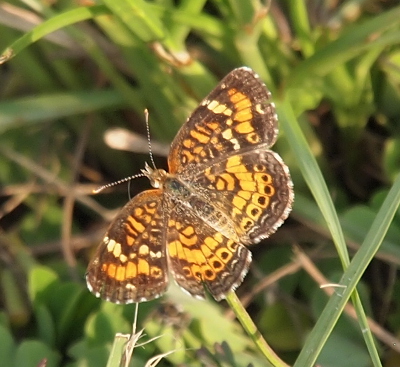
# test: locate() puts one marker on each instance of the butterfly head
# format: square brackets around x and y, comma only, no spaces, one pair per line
[156,176]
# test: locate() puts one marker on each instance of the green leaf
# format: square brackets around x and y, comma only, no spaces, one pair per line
[7,347]
[31,353]
[102,326]
[40,279]
[45,324]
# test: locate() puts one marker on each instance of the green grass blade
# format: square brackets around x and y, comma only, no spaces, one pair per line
[317,185]
[117,350]
[57,22]
[179,32]
[356,39]
[313,177]
[139,17]
[350,278]
[299,16]
[40,109]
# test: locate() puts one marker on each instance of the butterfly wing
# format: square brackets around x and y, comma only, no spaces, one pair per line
[130,264]
[236,116]
[200,256]
[253,188]
[223,151]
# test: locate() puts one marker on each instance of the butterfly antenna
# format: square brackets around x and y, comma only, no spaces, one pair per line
[146,116]
[101,188]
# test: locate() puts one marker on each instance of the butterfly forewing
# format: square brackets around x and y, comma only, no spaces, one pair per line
[130,264]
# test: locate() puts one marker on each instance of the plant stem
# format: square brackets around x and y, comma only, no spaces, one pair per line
[252,330]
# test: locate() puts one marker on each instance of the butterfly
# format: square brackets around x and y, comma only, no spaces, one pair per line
[225,190]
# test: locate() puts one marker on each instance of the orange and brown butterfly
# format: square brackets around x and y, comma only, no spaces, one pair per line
[225,190]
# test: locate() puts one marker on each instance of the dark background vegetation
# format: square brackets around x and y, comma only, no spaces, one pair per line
[334,70]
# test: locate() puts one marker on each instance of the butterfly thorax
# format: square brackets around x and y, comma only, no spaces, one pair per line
[187,196]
